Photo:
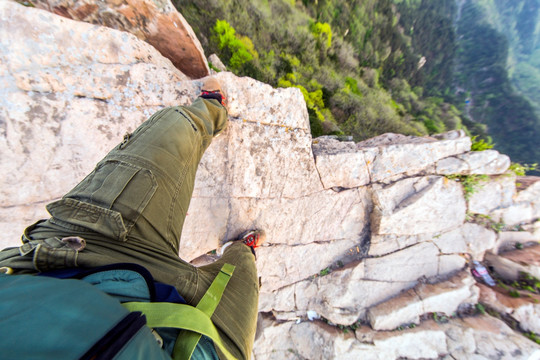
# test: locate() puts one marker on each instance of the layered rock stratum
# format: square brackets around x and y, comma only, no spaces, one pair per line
[368,243]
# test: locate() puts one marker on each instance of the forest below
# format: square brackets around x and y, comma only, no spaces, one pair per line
[366,67]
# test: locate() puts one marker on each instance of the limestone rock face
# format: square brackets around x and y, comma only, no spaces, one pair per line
[525,309]
[488,338]
[509,265]
[480,337]
[392,155]
[488,162]
[350,226]
[346,294]
[340,164]
[507,240]
[406,265]
[444,297]
[470,238]
[417,205]
[154,21]
[216,61]
[514,214]
[530,193]
[498,199]
[493,194]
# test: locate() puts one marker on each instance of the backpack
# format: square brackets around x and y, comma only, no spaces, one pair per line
[111,312]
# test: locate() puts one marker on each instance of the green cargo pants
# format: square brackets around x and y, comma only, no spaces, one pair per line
[132,207]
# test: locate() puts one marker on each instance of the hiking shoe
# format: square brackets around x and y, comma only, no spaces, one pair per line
[251,238]
[211,89]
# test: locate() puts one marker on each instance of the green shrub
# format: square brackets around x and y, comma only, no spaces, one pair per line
[430,125]
[521,170]
[325,271]
[481,144]
[239,48]
[323,33]
[480,309]
[471,183]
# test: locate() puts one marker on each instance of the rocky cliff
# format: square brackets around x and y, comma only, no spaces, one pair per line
[368,243]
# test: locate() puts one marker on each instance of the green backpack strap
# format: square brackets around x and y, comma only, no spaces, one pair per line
[187,340]
[195,321]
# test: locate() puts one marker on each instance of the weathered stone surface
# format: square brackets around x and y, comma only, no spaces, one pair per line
[417,205]
[342,297]
[529,317]
[205,226]
[404,266]
[310,340]
[507,240]
[305,340]
[402,309]
[273,341]
[344,301]
[399,154]
[493,194]
[524,182]
[530,193]
[508,265]
[407,307]
[340,164]
[446,297]
[278,270]
[469,238]
[316,340]
[12,222]
[488,162]
[473,338]
[345,216]
[386,244]
[276,162]
[449,264]
[535,229]
[514,214]
[261,104]
[154,21]
[425,342]
[65,100]
[525,309]
[393,139]
[485,337]
[216,62]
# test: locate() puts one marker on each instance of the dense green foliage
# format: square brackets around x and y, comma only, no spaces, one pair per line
[491,44]
[352,61]
[366,67]
[239,49]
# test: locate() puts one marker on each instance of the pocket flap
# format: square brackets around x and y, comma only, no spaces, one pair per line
[101,220]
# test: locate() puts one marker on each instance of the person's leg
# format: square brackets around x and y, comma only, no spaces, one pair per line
[147,181]
[236,314]
[133,205]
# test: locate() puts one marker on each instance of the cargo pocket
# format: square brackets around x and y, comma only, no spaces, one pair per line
[50,254]
[130,138]
[109,201]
